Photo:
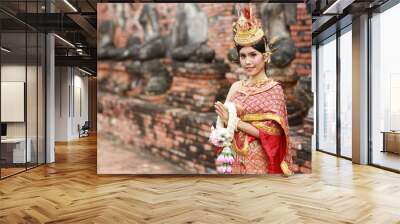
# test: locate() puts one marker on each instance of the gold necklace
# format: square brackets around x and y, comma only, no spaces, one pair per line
[250,88]
[257,83]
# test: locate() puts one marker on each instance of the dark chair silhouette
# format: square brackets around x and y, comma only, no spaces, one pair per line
[84,130]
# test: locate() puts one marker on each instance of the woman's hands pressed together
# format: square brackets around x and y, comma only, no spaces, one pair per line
[222,112]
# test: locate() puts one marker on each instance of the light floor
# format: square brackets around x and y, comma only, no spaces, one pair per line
[387,159]
[70,191]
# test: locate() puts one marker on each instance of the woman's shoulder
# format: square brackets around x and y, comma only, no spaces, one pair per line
[277,90]
[234,88]
[236,84]
[276,85]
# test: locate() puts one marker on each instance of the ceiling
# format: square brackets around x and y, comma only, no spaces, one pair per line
[329,15]
[74,21]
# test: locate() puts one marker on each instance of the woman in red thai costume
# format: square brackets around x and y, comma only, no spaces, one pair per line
[261,141]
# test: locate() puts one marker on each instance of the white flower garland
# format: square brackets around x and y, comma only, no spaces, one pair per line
[222,137]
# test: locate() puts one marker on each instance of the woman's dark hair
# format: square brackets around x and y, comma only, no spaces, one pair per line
[259,46]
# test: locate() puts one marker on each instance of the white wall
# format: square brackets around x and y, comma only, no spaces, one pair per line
[61,103]
[12,73]
[80,102]
[71,87]
[12,101]
[33,127]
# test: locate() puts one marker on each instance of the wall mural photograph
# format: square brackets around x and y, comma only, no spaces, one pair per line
[204,88]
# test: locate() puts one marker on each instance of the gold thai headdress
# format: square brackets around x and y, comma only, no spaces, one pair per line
[247,29]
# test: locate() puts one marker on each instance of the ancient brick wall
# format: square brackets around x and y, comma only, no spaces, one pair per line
[220,18]
[176,134]
[166,124]
[302,37]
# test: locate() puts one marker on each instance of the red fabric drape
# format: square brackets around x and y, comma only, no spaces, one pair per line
[275,148]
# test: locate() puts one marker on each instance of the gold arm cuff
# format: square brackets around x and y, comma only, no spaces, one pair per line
[243,151]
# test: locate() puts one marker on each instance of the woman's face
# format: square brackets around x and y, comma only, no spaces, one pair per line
[251,60]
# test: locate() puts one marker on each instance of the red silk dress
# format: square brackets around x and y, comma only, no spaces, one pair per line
[264,107]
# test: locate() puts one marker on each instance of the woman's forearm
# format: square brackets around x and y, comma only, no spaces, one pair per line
[248,128]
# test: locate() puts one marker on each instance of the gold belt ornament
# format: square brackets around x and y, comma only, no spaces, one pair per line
[268,129]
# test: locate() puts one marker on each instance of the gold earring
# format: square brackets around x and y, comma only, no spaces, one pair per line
[267,56]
